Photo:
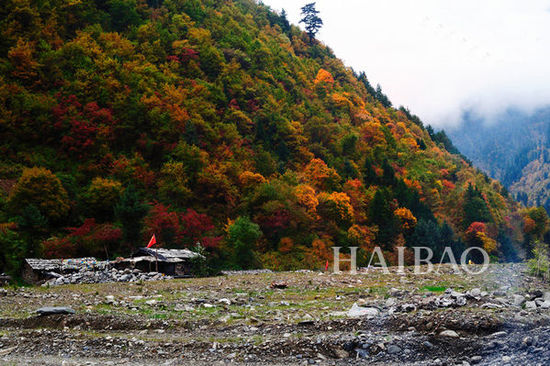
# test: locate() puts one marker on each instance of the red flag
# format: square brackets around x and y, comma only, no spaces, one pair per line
[326,267]
[152,242]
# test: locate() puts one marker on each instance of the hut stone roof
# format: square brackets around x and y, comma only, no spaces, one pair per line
[166,254]
[62,265]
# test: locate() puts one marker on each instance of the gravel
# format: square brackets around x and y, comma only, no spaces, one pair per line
[239,319]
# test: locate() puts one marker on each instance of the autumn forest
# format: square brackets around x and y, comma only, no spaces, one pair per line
[220,127]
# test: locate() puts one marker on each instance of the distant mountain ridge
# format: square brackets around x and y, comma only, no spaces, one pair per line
[514,149]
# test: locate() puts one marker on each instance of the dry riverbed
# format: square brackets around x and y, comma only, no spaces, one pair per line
[500,317]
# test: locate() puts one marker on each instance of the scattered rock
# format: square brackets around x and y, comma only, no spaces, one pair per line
[460,301]
[7,351]
[475,359]
[225,301]
[530,305]
[408,307]
[54,310]
[340,353]
[428,344]
[518,300]
[358,311]
[390,302]
[475,293]
[279,285]
[449,333]
[393,349]
[184,307]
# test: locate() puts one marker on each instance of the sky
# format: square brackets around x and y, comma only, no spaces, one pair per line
[441,58]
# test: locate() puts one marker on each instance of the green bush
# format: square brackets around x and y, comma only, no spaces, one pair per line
[539,265]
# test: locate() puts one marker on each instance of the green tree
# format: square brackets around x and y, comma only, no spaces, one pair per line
[539,265]
[540,217]
[32,226]
[41,188]
[369,174]
[101,197]
[381,214]
[242,238]
[12,251]
[349,143]
[123,14]
[130,212]
[311,20]
[284,23]
[426,234]
[388,174]
[381,97]
[475,207]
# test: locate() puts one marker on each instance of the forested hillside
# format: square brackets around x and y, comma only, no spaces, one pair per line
[218,122]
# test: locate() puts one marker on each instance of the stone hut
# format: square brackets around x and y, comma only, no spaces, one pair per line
[37,270]
[173,262]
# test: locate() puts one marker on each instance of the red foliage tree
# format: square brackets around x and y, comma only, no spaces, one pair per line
[89,239]
[183,229]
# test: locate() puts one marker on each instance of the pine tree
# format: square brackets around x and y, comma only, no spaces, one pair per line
[311,20]
[388,176]
[284,23]
[32,226]
[381,97]
[130,213]
[363,78]
[381,214]
[369,175]
[475,207]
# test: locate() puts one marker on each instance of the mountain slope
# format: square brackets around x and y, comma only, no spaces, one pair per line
[218,122]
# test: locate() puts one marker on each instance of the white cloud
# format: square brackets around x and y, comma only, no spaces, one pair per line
[440,57]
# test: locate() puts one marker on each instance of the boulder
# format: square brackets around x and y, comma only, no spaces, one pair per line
[449,333]
[49,310]
[518,300]
[358,311]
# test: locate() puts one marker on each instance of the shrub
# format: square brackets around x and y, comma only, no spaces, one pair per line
[242,238]
[539,265]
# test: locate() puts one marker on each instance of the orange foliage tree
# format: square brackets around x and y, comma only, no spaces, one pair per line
[320,175]
[336,207]
[405,216]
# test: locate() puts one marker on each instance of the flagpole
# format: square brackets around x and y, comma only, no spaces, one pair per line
[152,242]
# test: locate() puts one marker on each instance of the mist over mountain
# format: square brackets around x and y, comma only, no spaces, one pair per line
[513,148]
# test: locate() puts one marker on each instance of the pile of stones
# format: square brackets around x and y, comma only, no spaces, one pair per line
[103,276]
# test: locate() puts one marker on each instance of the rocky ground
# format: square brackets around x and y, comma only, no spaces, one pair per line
[292,318]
